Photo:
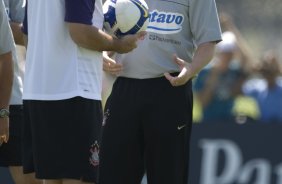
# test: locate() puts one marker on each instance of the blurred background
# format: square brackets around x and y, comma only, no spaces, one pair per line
[258,20]
[238,99]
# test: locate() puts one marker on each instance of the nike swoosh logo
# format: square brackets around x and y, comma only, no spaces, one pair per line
[181,127]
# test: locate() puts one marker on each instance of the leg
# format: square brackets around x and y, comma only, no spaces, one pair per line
[17,174]
[122,139]
[72,150]
[20,178]
[167,130]
[30,179]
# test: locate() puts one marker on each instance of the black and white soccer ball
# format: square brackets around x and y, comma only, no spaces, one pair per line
[123,17]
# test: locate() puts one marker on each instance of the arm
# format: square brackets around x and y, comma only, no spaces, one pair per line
[79,17]
[245,52]
[6,82]
[202,57]
[6,79]
[6,70]
[16,14]
[92,38]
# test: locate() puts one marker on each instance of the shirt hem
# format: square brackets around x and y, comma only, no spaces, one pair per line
[93,96]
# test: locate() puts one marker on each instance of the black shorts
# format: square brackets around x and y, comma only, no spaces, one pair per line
[147,126]
[10,153]
[61,138]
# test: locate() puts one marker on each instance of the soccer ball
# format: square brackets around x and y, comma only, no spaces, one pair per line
[123,17]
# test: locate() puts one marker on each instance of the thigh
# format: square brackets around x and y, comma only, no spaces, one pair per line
[167,133]
[65,138]
[122,140]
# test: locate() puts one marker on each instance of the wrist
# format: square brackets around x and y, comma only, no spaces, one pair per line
[115,44]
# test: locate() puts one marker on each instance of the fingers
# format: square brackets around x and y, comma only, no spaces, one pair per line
[173,80]
[4,138]
[129,42]
[110,66]
[4,130]
[4,135]
[179,80]
[182,77]
[178,61]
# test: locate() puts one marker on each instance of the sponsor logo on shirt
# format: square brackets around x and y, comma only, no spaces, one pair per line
[165,22]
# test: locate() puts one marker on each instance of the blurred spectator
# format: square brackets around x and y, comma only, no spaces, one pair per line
[244,54]
[220,83]
[267,90]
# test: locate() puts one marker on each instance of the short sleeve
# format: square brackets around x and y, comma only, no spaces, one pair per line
[79,11]
[6,37]
[204,21]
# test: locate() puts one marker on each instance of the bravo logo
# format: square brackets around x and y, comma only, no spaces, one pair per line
[165,22]
[234,169]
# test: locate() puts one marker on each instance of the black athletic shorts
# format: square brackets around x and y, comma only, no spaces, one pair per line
[10,153]
[62,138]
[147,124]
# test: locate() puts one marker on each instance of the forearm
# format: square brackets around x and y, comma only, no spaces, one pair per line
[17,33]
[91,37]
[6,79]
[202,57]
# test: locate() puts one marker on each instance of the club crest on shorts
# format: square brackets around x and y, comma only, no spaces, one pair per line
[94,151]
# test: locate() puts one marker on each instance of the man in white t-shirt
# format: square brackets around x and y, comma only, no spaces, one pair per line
[62,88]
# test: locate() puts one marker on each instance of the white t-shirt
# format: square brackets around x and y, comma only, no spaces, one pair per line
[56,68]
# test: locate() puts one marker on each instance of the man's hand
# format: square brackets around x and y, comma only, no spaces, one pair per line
[184,74]
[4,130]
[128,42]
[110,65]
